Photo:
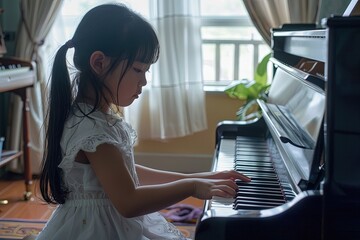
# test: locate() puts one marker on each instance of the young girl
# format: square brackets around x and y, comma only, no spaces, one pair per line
[88,168]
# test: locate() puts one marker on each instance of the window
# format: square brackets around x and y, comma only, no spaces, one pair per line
[231,45]
[69,17]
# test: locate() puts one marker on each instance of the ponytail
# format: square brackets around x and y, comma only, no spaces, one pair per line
[60,101]
[120,34]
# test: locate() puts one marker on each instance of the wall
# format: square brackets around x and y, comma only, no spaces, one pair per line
[191,153]
[9,22]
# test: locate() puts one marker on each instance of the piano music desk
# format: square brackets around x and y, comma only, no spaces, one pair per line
[17,82]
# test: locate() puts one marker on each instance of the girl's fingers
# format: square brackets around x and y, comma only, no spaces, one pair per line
[244,178]
[240,176]
[219,193]
[232,174]
[224,191]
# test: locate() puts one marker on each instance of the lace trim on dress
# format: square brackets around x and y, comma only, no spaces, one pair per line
[88,144]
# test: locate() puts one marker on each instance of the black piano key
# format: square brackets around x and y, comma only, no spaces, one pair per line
[248,152]
[270,187]
[259,169]
[261,177]
[255,140]
[276,192]
[261,184]
[259,202]
[261,195]
[255,168]
[253,158]
[288,198]
[252,146]
[253,153]
[257,180]
[250,138]
[264,170]
[255,191]
[269,183]
[249,163]
[244,206]
[274,202]
[260,174]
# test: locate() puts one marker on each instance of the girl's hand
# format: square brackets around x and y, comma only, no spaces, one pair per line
[208,188]
[230,174]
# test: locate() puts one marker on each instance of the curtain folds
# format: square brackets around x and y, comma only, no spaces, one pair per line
[37,17]
[273,13]
[175,98]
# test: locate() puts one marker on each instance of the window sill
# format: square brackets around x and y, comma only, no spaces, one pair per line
[214,89]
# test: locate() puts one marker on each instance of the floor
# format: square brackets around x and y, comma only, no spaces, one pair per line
[12,191]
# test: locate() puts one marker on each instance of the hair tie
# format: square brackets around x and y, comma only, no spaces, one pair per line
[69,44]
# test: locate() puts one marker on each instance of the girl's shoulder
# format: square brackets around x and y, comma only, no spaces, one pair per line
[83,123]
[86,132]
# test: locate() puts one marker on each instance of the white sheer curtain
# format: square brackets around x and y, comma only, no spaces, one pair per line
[173,105]
[37,17]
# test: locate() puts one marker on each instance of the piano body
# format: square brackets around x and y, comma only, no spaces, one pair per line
[303,154]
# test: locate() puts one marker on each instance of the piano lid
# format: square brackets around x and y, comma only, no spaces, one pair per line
[290,46]
[294,114]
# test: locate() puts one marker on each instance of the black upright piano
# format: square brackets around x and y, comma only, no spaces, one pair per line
[303,154]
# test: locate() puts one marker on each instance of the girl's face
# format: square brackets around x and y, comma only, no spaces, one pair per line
[130,85]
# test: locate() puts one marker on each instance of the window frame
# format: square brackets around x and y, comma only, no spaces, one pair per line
[228,21]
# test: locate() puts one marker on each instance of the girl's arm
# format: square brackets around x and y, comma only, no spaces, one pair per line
[131,200]
[149,176]
[153,176]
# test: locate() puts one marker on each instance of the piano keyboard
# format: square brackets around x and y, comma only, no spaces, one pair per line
[15,77]
[252,157]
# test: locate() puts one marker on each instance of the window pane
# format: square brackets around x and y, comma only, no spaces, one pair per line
[222,8]
[243,33]
[72,11]
[208,52]
[227,61]
[246,68]
[80,7]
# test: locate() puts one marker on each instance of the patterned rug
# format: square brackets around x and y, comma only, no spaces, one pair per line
[19,228]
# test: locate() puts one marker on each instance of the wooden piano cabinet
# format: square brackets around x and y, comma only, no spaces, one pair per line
[18,83]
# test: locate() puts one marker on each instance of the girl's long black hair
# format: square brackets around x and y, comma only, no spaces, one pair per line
[120,34]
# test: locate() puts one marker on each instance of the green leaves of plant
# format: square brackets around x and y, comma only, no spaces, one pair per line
[250,90]
[244,90]
[261,70]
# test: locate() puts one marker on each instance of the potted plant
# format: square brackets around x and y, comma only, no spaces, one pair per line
[251,90]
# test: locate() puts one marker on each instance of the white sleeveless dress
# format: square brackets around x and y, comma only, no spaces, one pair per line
[88,214]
